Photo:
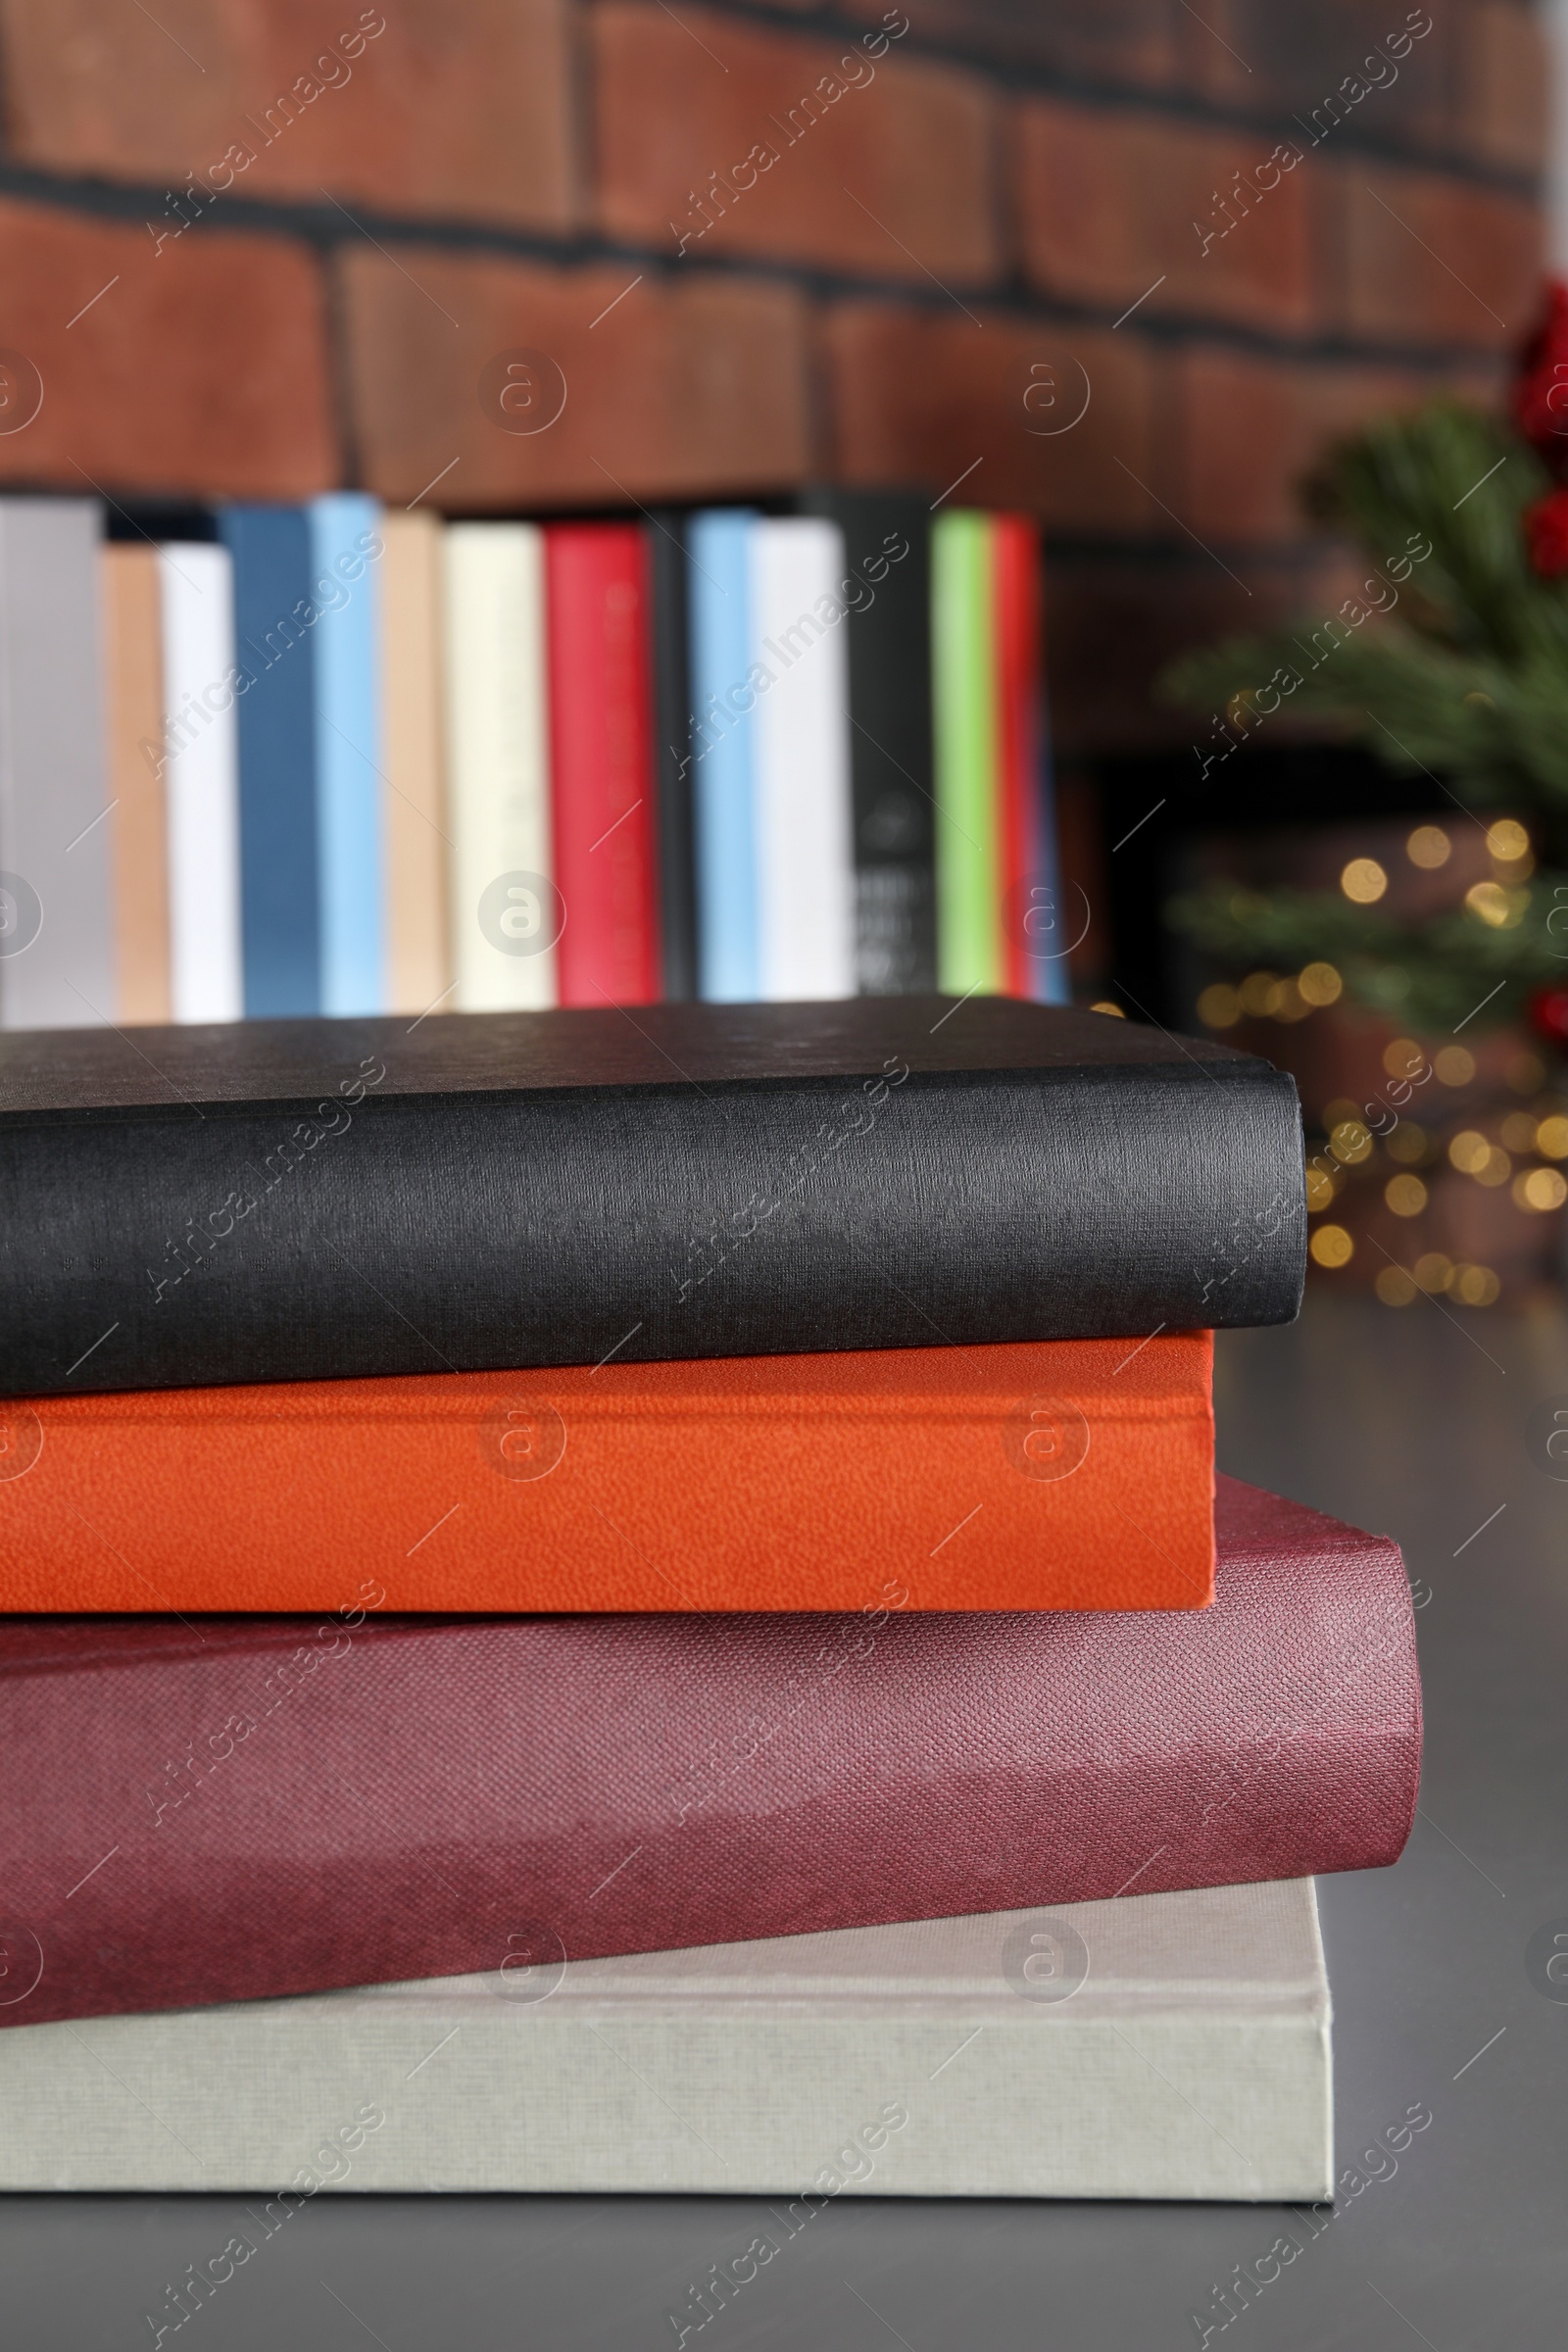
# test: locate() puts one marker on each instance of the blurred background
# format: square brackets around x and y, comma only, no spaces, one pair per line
[1235,301]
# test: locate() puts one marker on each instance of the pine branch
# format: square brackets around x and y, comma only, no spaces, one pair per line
[1432,976]
[1501,735]
[1455,661]
[1459,479]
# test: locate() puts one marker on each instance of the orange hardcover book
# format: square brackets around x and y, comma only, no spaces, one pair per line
[1066,1474]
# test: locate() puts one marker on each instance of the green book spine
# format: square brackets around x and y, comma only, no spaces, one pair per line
[965,727]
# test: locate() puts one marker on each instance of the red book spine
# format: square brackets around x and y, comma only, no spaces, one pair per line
[602,763]
[225,1808]
[1027,899]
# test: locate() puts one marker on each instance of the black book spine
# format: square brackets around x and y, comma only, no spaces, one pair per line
[154,1248]
[668,572]
[887,536]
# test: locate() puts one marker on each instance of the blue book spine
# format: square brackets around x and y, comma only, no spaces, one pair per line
[1050,980]
[723,654]
[274,657]
[345,586]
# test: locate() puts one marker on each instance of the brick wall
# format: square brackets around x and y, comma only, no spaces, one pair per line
[261,248]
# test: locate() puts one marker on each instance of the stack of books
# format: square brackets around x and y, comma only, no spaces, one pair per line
[331,759]
[640,1601]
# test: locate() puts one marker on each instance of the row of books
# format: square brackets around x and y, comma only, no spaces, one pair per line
[524,1684]
[337,759]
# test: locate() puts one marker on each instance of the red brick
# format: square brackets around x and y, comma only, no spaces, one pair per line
[893,178]
[1252,429]
[692,389]
[1284,62]
[201,368]
[1508,84]
[458,108]
[1435,261]
[1104,40]
[922,395]
[1111,204]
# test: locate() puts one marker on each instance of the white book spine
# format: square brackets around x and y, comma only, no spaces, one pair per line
[56,963]
[804,840]
[504,904]
[202,782]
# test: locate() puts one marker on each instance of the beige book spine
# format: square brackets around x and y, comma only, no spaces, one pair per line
[419,973]
[139,821]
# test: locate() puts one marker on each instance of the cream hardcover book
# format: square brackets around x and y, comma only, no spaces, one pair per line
[1162,2046]
[505,911]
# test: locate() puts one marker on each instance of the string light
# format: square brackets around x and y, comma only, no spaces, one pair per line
[1540,1189]
[1429,847]
[1473,1155]
[1498,909]
[1320,984]
[1218,1008]
[1363,881]
[1320,1189]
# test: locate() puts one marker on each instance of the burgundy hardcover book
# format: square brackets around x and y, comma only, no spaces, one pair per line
[224,1808]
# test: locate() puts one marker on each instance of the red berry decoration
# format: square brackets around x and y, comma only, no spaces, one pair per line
[1549,1016]
[1541,386]
[1547,534]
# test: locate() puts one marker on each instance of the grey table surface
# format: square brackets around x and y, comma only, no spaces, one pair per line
[1427,1423]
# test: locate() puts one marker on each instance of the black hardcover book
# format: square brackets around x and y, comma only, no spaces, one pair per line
[887,546]
[312,1199]
[668,566]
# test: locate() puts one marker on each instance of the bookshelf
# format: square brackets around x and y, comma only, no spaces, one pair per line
[341,759]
